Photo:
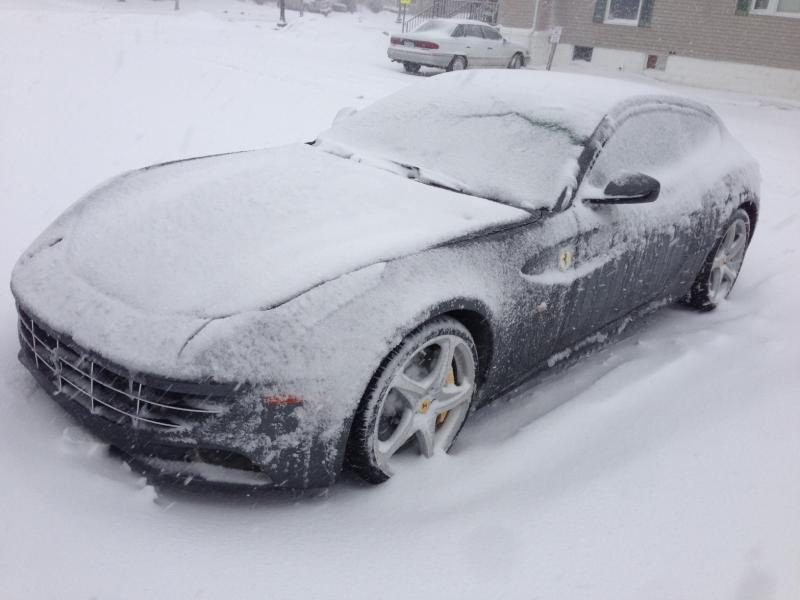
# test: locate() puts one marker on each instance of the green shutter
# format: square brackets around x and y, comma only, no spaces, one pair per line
[742,7]
[599,11]
[646,14]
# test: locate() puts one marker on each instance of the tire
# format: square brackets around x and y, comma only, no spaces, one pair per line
[459,63]
[723,264]
[420,396]
[411,67]
[517,61]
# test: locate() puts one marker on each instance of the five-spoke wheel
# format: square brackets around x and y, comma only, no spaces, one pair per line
[722,266]
[418,399]
[728,261]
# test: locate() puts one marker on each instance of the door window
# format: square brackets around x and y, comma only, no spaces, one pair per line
[473,31]
[654,141]
[490,33]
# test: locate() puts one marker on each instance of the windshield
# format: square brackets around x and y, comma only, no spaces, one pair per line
[463,134]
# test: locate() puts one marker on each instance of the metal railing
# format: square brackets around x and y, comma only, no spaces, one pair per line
[478,10]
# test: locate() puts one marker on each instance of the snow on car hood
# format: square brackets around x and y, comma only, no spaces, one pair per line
[219,235]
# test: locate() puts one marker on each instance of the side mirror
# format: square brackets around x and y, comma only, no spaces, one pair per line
[346,112]
[629,188]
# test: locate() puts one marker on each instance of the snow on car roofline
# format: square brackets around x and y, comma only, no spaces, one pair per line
[457,21]
[576,101]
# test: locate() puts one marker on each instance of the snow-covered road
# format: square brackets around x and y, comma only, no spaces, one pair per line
[666,466]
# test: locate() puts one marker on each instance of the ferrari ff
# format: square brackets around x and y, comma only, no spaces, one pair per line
[271,317]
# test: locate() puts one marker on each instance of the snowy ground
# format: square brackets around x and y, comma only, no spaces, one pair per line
[664,467]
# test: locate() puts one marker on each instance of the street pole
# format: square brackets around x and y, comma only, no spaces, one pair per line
[282,18]
[551,56]
[399,5]
[177,4]
[532,36]
[555,38]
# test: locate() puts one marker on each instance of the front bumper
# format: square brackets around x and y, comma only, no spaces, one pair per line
[180,431]
[420,57]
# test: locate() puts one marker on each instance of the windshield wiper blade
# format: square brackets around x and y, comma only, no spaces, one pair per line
[420,174]
[440,180]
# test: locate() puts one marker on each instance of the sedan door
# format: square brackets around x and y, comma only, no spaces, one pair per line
[476,48]
[498,51]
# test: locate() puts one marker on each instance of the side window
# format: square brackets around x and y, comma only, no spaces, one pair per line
[458,31]
[473,31]
[652,141]
[490,33]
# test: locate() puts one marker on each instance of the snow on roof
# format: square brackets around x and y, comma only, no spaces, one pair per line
[513,136]
[457,21]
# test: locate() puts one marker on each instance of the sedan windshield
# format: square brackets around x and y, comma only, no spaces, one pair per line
[464,132]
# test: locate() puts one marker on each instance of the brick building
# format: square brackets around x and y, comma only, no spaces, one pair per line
[746,45]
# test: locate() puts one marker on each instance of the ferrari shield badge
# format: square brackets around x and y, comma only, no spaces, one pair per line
[565,259]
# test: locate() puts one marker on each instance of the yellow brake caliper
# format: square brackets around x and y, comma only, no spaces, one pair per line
[451,379]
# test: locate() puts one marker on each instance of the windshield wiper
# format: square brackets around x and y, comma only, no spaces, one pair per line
[435,179]
[420,174]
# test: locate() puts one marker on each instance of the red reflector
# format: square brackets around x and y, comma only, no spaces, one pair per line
[396,40]
[428,45]
[282,400]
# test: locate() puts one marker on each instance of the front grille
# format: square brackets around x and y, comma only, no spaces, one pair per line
[108,392]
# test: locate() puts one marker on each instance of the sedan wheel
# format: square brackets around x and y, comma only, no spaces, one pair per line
[459,63]
[722,267]
[411,67]
[516,62]
[419,399]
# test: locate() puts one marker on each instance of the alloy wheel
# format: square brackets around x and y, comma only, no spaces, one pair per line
[727,261]
[427,400]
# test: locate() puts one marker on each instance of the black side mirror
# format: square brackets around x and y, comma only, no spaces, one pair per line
[629,188]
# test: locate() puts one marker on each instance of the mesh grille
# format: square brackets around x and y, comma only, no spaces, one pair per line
[107,392]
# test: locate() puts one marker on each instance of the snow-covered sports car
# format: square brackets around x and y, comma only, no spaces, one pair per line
[270,316]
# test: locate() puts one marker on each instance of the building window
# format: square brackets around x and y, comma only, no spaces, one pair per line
[582,53]
[781,8]
[623,12]
[657,62]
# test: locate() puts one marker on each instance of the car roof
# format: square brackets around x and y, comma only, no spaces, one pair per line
[456,21]
[575,101]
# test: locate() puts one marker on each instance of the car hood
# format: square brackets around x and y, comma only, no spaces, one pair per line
[216,236]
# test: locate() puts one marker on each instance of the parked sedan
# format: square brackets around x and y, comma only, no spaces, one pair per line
[269,316]
[455,44]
